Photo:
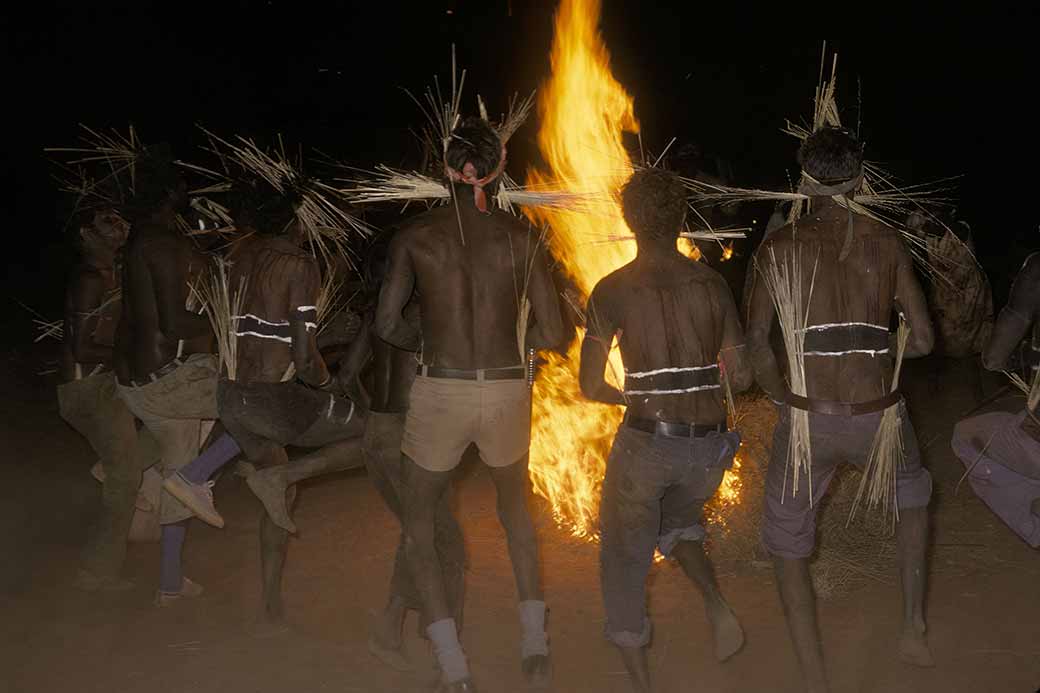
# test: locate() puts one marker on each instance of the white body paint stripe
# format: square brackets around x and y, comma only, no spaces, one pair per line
[685,369]
[673,392]
[287,340]
[259,319]
[869,352]
[828,326]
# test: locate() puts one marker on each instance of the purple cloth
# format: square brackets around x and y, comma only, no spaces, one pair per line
[1006,476]
[789,527]
[170,545]
[222,451]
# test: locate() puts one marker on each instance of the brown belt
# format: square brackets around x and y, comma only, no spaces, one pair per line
[832,408]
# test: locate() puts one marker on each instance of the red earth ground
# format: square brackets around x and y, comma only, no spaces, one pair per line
[983,605]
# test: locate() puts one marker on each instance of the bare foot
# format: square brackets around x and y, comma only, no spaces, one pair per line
[913,649]
[537,671]
[269,485]
[384,640]
[729,636]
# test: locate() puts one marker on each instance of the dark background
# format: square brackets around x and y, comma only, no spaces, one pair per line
[935,103]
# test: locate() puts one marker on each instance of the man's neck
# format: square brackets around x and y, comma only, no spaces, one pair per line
[652,253]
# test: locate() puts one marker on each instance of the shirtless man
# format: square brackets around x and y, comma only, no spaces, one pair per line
[283,393]
[1002,450]
[168,388]
[863,276]
[675,320]
[87,396]
[469,266]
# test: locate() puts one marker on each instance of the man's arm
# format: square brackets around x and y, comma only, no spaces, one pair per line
[733,352]
[358,355]
[761,318]
[86,297]
[1016,318]
[169,265]
[595,349]
[546,331]
[911,301]
[391,325]
[304,282]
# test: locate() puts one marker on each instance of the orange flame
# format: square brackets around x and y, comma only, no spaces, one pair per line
[584,112]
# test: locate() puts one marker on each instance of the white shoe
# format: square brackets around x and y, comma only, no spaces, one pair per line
[189,589]
[198,498]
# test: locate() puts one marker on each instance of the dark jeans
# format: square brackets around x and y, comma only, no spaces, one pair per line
[653,496]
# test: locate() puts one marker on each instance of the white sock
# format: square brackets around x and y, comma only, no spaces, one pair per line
[445,638]
[533,639]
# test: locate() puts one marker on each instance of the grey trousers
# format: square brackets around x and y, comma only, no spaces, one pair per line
[653,497]
[93,407]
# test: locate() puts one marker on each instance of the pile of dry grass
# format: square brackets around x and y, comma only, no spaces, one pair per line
[847,556]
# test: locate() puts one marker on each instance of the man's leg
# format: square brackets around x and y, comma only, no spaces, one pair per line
[683,539]
[112,432]
[270,484]
[512,485]
[381,451]
[190,485]
[789,534]
[799,602]
[912,542]
[630,517]
[422,494]
[913,493]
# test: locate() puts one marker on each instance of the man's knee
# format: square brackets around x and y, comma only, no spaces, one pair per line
[914,490]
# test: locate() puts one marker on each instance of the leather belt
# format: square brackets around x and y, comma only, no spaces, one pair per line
[157,373]
[668,429]
[832,408]
[510,373]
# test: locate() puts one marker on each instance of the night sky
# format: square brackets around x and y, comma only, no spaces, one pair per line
[934,103]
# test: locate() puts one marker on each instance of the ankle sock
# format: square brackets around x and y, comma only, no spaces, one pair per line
[533,638]
[446,646]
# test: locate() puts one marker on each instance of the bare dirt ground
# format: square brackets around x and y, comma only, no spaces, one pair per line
[983,605]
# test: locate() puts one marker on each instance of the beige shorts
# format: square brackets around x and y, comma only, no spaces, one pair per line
[446,415]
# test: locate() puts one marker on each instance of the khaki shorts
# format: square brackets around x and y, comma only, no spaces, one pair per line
[445,415]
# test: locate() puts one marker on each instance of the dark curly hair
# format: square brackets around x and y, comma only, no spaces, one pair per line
[254,203]
[476,142]
[654,204]
[831,155]
[156,182]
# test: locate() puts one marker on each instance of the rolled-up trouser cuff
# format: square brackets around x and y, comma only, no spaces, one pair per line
[914,492]
[627,638]
[667,542]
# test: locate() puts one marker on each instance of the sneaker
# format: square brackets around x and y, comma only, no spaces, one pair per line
[189,590]
[198,498]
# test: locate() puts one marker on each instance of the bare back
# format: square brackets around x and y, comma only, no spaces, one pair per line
[278,278]
[470,293]
[673,318]
[853,303]
[159,264]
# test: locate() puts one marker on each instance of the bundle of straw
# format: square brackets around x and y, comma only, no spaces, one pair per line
[1031,390]
[878,483]
[322,208]
[222,308]
[784,281]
